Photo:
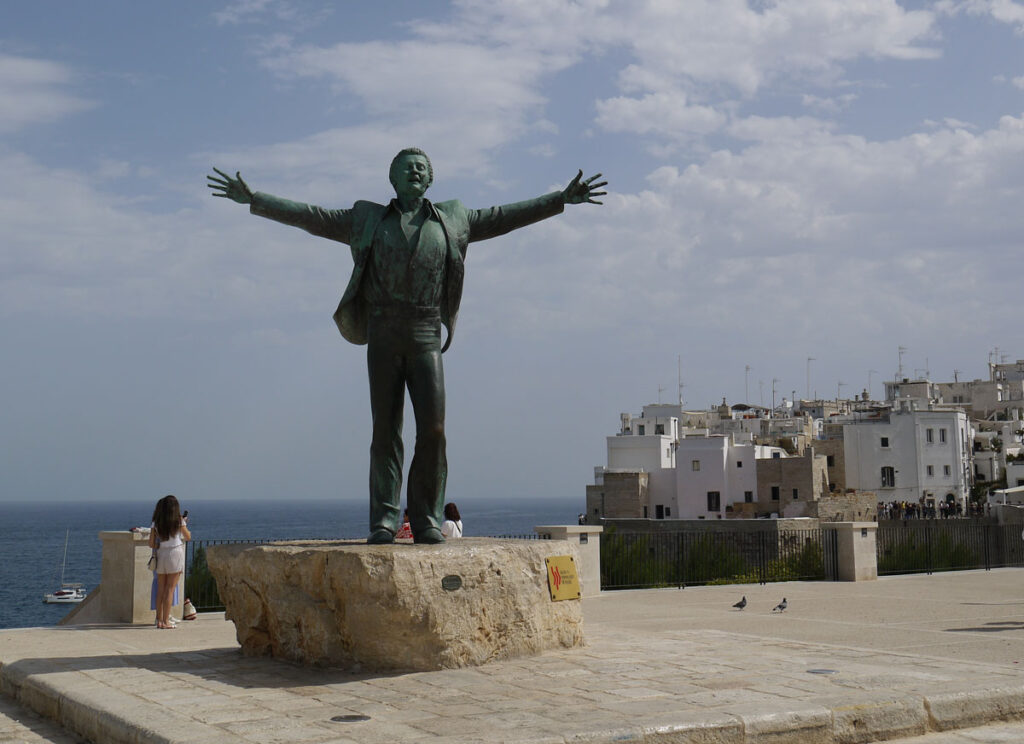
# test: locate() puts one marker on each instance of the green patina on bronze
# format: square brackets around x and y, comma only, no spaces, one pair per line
[406,284]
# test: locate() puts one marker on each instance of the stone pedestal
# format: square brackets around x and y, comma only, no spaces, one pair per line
[395,607]
[124,593]
[858,552]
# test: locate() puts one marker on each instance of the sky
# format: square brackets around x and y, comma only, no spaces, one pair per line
[803,196]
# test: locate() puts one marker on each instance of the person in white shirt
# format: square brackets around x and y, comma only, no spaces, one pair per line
[452,526]
[167,537]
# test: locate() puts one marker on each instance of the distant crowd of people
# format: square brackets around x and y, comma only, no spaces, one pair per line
[913,510]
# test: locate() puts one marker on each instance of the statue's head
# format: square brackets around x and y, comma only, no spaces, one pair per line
[411,172]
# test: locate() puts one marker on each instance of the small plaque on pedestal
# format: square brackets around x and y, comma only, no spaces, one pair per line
[563,580]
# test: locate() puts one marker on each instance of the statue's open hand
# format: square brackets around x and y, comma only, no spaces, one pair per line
[234,189]
[582,190]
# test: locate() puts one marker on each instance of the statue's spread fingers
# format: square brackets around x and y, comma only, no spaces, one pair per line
[225,175]
[215,182]
[598,185]
[594,201]
[597,193]
[593,177]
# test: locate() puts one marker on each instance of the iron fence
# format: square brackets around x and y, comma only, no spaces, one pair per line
[925,546]
[687,558]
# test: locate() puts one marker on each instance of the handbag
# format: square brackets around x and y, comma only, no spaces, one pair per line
[151,563]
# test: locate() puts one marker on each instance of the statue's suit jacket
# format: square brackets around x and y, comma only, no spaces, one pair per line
[356,228]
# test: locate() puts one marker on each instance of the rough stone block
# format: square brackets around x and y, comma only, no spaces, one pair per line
[963,709]
[395,607]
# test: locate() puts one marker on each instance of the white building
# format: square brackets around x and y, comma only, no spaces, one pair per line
[917,456]
[712,472]
[1015,474]
[695,476]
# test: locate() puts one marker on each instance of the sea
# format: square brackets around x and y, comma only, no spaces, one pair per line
[32,536]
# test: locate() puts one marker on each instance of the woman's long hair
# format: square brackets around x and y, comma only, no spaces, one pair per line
[167,517]
[451,512]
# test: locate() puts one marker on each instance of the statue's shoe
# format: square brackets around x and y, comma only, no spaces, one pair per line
[382,537]
[429,536]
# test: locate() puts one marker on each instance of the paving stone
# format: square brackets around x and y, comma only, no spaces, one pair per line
[660,667]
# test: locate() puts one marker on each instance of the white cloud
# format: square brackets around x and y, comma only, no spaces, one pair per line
[708,52]
[1005,11]
[258,11]
[488,63]
[663,113]
[805,226]
[34,91]
[464,99]
[830,104]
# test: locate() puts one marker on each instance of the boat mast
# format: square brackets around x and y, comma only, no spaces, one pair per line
[64,563]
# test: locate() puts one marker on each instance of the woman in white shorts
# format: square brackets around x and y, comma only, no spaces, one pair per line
[167,536]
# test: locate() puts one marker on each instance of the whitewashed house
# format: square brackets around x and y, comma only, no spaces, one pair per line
[917,456]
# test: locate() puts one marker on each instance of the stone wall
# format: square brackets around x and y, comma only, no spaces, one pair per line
[835,455]
[709,525]
[807,475]
[623,495]
[855,506]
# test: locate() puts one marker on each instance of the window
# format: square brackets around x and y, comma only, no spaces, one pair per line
[831,460]
[885,441]
[739,463]
[695,465]
[659,512]
[929,436]
[888,477]
[775,493]
[931,470]
[796,493]
[645,512]
[659,428]
[946,470]
[714,500]
[942,435]
[640,429]
[748,496]
[776,455]
[668,511]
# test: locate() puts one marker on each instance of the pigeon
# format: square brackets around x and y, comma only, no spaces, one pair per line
[781,606]
[741,604]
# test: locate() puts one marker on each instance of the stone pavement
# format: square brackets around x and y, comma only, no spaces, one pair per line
[899,657]
[25,727]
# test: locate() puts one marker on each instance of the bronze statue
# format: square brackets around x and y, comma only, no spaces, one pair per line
[406,283]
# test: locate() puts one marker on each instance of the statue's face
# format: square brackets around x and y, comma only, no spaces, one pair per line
[410,176]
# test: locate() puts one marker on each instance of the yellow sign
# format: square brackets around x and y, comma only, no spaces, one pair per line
[563,581]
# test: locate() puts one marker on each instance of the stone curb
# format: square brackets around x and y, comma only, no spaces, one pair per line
[100,713]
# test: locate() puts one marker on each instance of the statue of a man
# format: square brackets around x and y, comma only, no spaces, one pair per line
[406,283]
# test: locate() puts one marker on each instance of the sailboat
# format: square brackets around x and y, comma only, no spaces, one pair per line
[68,592]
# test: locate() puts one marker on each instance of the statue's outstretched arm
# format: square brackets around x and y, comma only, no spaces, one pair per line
[582,190]
[234,189]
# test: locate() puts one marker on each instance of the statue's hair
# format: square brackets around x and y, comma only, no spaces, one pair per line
[411,151]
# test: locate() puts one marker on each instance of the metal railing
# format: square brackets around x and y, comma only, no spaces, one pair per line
[926,546]
[688,558]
